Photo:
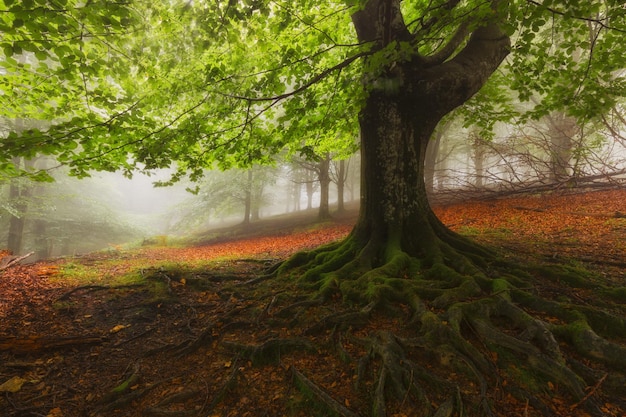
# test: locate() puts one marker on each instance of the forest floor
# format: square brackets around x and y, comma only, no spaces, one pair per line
[160,330]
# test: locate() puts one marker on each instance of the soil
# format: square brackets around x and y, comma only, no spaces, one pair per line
[200,331]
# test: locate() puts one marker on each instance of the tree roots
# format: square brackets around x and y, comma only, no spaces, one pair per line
[490,327]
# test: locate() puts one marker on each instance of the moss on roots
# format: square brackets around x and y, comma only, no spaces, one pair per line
[477,315]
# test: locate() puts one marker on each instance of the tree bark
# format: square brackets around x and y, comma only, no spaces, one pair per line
[401,111]
[19,193]
[248,198]
[341,182]
[323,172]
[561,129]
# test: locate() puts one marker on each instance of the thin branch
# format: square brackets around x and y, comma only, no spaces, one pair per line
[314,80]
[598,21]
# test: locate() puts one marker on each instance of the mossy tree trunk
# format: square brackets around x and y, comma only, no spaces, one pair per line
[403,107]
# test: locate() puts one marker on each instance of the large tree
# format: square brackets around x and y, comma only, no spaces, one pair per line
[232,83]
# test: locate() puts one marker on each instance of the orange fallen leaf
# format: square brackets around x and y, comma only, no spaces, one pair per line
[119,327]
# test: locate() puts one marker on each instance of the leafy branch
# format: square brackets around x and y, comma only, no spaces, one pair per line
[598,21]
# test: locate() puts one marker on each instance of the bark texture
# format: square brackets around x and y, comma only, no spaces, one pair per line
[403,107]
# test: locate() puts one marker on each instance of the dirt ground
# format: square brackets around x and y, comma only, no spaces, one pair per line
[173,338]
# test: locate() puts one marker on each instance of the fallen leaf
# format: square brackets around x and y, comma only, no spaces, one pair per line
[55,412]
[12,385]
[118,328]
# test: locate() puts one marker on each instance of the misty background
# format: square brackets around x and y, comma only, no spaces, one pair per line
[108,211]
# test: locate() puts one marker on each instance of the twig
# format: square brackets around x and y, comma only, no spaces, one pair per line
[591,392]
[15,260]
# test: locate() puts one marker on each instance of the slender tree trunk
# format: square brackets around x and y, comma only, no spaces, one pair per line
[42,247]
[341,182]
[248,198]
[297,191]
[310,187]
[324,178]
[19,192]
[432,153]
[257,198]
[16,222]
[562,129]
[478,156]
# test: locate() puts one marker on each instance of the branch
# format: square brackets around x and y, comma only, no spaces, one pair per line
[13,260]
[319,77]
[585,19]
[444,53]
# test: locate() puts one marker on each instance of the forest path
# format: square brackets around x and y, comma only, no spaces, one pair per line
[164,330]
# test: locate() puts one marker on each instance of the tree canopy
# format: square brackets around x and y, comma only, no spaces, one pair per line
[142,85]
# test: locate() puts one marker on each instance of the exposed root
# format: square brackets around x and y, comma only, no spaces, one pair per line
[470,315]
[270,351]
[91,287]
[398,375]
[319,396]
[341,321]
[226,387]
[189,346]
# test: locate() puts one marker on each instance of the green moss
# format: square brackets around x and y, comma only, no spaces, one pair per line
[615,294]
[604,323]
[501,287]
[553,308]
[79,274]
[574,276]
[467,289]
[328,261]
[525,376]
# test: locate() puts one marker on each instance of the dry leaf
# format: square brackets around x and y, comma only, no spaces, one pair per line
[118,328]
[12,385]
[55,412]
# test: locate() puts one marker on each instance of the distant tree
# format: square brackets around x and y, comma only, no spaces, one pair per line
[19,193]
[339,175]
[224,194]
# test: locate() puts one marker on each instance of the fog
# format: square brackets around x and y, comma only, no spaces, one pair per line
[138,199]
[108,211]
[71,216]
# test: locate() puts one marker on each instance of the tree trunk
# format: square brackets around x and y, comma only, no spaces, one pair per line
[310,188]
[43,248]
[323,171]
[19,192]
[432,155]
[16,222]
[400,114]
[561,129]
[341,182]
[479,151]
[247,198]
